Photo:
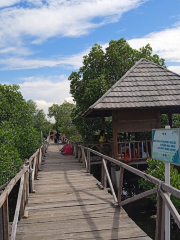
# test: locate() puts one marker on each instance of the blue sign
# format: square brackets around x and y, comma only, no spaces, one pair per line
[166,145]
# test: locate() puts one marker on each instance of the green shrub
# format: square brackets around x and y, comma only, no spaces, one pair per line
[157,169]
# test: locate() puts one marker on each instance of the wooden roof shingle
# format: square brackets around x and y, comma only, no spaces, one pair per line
[145,85]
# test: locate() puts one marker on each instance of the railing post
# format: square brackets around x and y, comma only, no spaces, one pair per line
[4,220]
[31,174]
[102,173]
[43,150]
[83,153]
[75,150]
[89,161]
[79,154]
[120,184]
[40,158]
[159,219]
[1,224]
[14,225]
[23,198]
[35,168]
[105,177]
[27,185]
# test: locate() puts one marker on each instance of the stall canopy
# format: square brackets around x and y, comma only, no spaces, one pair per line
[145,86]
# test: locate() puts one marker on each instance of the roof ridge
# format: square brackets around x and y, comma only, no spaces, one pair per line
[121,79]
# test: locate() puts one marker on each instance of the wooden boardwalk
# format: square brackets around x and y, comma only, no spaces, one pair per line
[68,204]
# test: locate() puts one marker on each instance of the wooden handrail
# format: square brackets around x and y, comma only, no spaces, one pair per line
[27,175]
[10,186]
[166,187]
[161,190]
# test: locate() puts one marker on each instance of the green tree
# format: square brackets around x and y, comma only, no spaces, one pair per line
[157,169]
[40,123]
[100,70]
[62,114]
[19,139]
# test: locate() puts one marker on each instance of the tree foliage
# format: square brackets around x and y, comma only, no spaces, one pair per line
[62,114]
[157,169]
[100,70]
[40,123]
[18,136]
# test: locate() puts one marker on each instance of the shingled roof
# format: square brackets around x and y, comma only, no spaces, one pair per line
[145,85]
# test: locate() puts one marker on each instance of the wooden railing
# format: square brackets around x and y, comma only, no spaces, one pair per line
[133,150]
[136,150]
[27,175]
[161,188]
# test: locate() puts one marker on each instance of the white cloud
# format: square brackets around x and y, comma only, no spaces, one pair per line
[6,3]
[53,89]
[18,51]
[46,91]
[175,69]
[165,43]
[45,19]
[41,104]
[15,63]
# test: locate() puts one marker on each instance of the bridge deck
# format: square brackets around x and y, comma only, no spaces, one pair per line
[69,205]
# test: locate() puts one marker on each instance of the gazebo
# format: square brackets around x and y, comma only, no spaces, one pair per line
[136,101]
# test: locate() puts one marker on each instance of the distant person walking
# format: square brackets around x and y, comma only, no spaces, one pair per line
[57,137]
[52,135]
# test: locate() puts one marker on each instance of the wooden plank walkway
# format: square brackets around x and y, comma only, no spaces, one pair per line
[68,204]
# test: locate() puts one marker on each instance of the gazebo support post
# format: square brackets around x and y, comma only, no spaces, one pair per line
[115,143]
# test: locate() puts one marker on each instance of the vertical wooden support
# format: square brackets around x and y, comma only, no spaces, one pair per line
[27,186]
[102,173]
[105,177]
[120,184]
[75,150]
[163,222]
[89,161]
[31,173]
[138,150]
[151,148]
[124,151]
[4,220]
[115,143]
[14,225]
[134,150]
[78,154]
[35,168]
[43,150]
[23,198]
[82,154]
[40,157]
[1,224]
[159,219]
[147,154]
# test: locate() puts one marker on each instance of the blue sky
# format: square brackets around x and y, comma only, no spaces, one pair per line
[43,41]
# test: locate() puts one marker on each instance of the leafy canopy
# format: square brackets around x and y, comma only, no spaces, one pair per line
[100,70]
[62,114]
[18,136]
[157,169]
